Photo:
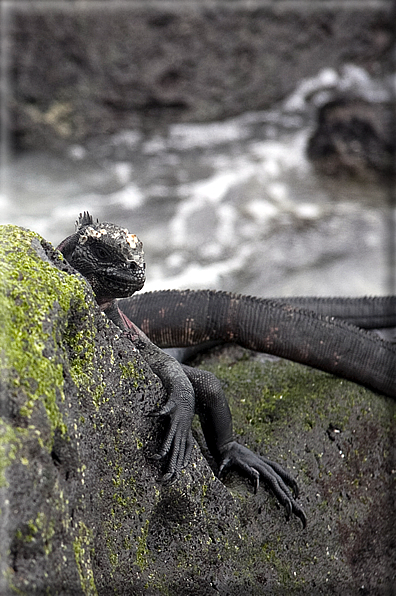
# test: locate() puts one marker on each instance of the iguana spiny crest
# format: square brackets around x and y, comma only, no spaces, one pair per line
[108,256]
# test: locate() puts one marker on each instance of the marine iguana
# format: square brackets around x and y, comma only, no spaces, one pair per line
[112,261]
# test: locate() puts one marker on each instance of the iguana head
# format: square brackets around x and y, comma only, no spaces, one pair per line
[109,257]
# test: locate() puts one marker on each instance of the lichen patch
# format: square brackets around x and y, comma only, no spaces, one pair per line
[32,291]
[90,232]
[132,240]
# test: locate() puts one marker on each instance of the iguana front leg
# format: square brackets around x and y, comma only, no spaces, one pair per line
[216,422]
[182,384]
[181,400]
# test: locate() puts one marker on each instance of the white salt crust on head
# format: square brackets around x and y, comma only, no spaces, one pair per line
[115,237]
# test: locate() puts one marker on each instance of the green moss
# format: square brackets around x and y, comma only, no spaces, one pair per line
[277,408]
[11,440]
[9,577]
[43,527]
[83,551]
[142,551]
[286,576]
[131,372]
[265,398]
[125,503]
[82,366]
[32,290]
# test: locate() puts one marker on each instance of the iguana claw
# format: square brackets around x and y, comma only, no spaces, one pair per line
[272,474]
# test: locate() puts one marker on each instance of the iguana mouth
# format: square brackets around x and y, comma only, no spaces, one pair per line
[126,282]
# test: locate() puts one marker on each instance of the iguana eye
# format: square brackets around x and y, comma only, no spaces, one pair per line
[101,253]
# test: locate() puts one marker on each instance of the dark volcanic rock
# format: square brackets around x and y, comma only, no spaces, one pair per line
[83,510]
[354,138]
[78,70]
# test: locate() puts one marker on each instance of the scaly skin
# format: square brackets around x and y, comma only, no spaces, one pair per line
[112,261]
[324,341]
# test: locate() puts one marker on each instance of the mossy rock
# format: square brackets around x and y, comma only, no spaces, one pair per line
[83,509]
[338,439]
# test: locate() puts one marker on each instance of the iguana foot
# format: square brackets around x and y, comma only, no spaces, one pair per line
[272,474]
[178,442]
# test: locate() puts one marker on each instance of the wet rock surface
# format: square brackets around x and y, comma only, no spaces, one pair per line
[335,437]
[83,510]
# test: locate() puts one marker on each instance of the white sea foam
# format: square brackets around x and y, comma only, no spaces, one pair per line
[123,170]
[128,137]
[190,136]
[231,204]
[128,197]
[349,79]
[4,202]
[195,275]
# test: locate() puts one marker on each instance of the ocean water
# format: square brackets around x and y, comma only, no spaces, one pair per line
[228,205]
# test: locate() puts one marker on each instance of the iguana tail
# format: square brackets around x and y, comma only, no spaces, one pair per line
[368,312]
[186,318]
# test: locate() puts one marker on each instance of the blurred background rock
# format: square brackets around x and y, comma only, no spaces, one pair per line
[249,144]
